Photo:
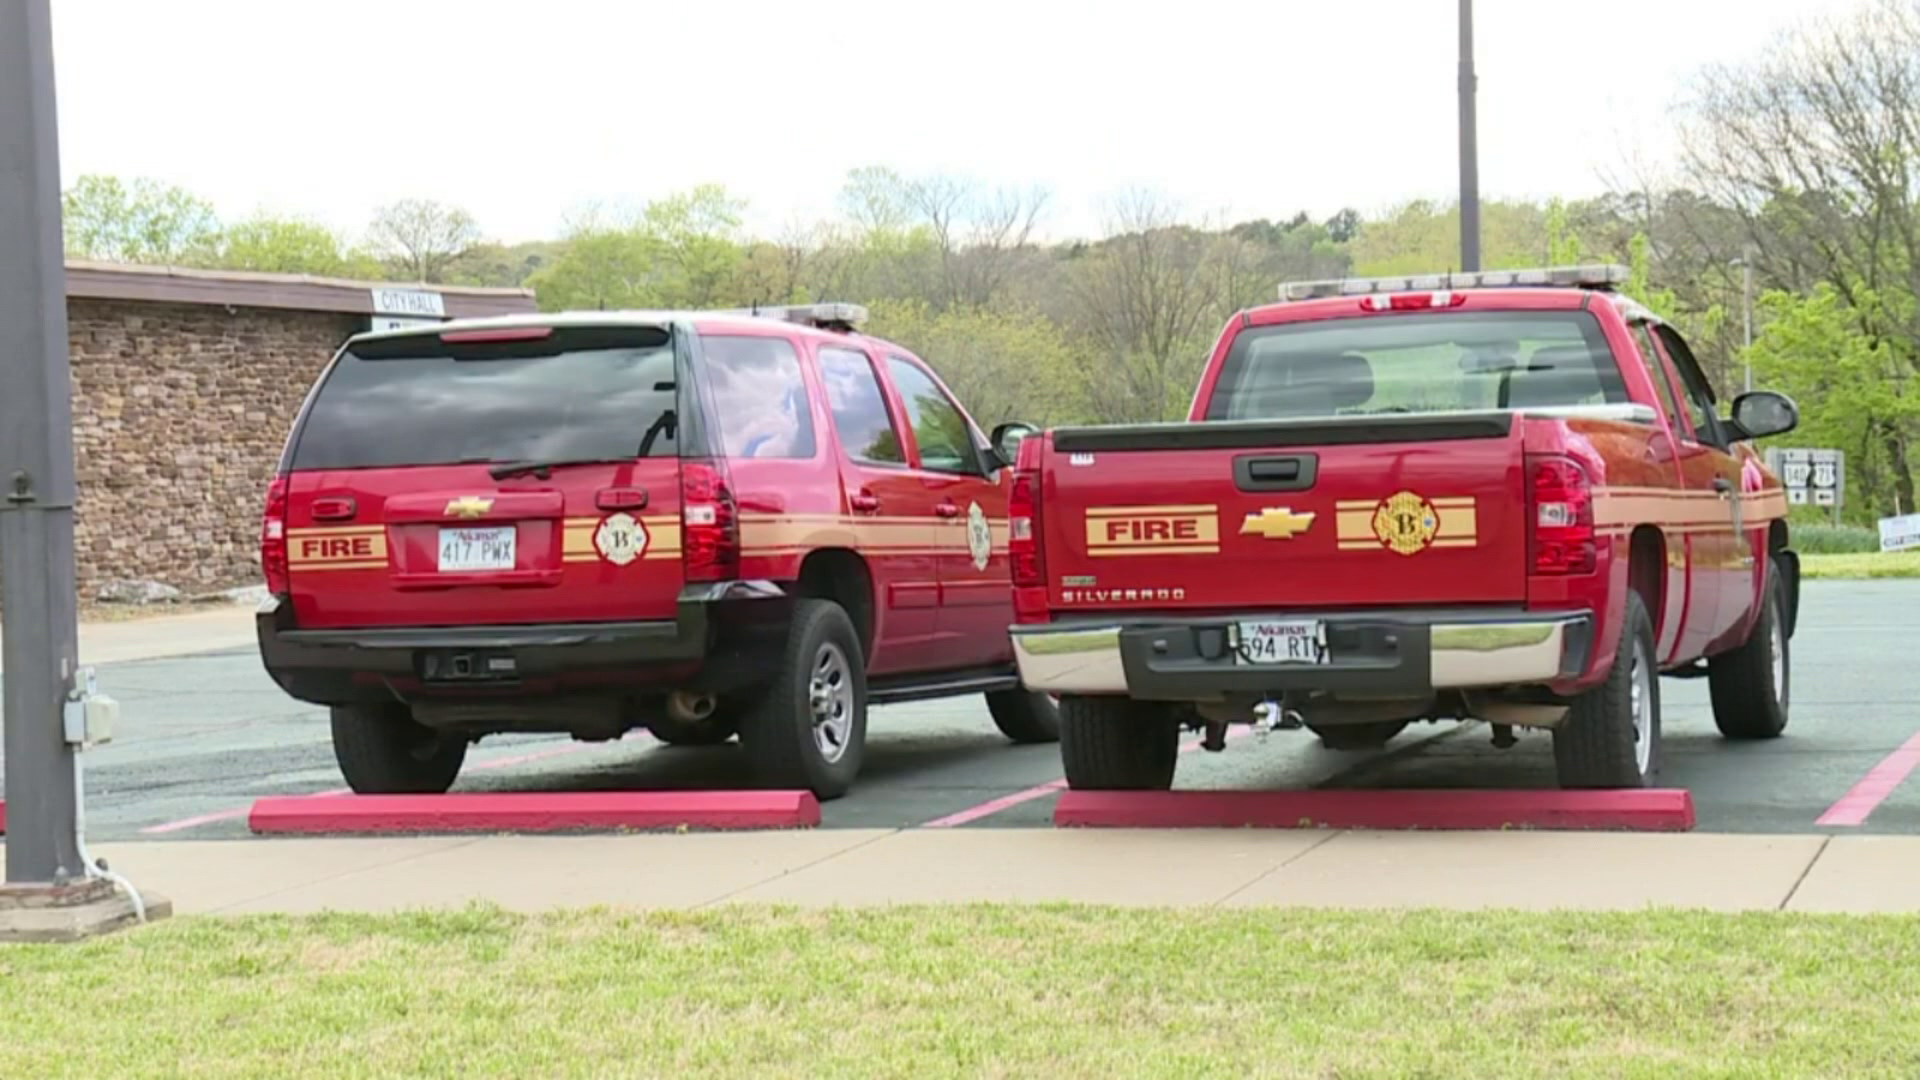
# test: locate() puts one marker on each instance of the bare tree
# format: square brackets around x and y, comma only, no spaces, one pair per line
[420,238]
[1147,298]
[979,234]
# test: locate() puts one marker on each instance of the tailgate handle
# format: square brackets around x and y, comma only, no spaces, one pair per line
[620,498]
[335,508]
[1275,472]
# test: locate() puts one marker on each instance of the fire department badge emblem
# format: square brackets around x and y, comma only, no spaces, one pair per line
[1406,523]
[620,539]
[979,536]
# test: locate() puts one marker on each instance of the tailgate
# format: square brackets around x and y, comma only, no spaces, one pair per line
[1286,515]
[452,546]
[528,476]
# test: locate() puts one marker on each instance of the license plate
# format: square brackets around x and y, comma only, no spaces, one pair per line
[467,550]
[1283,642]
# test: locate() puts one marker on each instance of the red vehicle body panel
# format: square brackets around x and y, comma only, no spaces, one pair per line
[1170,531]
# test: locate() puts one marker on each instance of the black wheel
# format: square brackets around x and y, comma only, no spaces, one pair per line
[382,751]
[1118,744]
[809,730]
[1359,736]
[1611,736]
[712,731]
[1751,684]
[1025,716]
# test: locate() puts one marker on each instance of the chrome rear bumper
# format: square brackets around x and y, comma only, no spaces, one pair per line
[1170,659]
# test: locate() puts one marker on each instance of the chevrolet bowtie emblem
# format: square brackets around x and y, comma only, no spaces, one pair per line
[1276,523]
[469,506]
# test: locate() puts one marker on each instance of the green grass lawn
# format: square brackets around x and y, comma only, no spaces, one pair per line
[974,991]
[1895,564]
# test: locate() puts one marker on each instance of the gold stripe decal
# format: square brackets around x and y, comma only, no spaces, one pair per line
[1153,530]
[1406,523]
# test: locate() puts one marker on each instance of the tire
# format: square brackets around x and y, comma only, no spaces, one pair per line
[1117,744]
[382,751]
[1025,716]
[1359,736]
[1750,696]
[787,745]
[1599,744]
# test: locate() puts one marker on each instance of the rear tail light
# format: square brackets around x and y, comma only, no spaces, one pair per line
[1023,536]
[273,539]
[1560,503]
[709,522]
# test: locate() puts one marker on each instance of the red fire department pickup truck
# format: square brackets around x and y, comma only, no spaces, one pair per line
[705,524]
[1500,496]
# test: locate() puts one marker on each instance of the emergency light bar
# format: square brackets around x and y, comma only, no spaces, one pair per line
[829,316]
[1603,277]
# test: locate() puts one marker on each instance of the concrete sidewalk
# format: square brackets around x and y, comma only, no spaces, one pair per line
[213,629]
[1538,871]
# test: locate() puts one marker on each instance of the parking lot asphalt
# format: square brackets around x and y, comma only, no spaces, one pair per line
[203,736]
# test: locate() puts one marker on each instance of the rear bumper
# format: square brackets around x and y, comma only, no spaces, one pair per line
[721,637]
[1378,654]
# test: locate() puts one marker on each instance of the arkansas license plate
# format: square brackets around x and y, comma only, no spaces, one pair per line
[467,550]
[1283,642]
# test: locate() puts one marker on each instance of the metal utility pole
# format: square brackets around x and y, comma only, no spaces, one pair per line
[1746,315]
[36,463]
[1469,148]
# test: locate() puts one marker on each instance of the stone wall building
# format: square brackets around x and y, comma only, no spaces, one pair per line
[184,386]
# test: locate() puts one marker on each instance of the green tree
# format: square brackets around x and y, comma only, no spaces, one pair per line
[600,267]
[421,238]
[1003,365]
[143,221]
[287,246]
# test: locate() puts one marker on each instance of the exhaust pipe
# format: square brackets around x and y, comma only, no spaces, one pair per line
[690,708]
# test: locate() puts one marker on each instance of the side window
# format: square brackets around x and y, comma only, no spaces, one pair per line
[1699,399]
[940,429]
[760,396]
[860,408]
[1656,372]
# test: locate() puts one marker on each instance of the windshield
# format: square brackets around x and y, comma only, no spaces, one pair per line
[1434,362]
[577,395]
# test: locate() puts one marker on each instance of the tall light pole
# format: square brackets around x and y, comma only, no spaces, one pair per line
[50,893]
[1469,148]
[1746,316]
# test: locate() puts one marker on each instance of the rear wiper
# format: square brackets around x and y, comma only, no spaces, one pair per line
[544,469]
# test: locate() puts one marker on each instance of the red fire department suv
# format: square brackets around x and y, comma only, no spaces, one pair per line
[703,524]
[1505,496]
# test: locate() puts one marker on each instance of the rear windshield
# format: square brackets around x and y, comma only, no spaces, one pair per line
[1434,362]
[600,394]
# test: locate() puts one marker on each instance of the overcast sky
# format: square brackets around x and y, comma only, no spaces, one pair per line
[523,111]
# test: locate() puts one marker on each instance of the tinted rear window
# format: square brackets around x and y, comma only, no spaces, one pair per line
[1438,362]
[586,394]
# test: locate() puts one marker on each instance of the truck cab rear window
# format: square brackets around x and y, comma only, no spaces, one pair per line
[415,401]
[1440,362]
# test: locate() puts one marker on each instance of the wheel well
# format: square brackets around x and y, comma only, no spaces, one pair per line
[1647,570]
[841,576]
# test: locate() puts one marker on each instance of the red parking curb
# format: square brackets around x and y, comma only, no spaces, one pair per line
[534,812]
[1649,810]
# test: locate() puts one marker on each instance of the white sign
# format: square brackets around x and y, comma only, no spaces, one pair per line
[391,322]
[1817,477]
[1900,533]
[415,302]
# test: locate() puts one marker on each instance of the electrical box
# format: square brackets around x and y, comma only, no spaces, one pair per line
[89,716]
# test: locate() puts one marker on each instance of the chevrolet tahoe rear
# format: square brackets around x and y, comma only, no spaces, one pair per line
[1507,498]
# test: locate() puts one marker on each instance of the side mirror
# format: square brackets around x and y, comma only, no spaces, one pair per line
[1006,442]
[1760,413]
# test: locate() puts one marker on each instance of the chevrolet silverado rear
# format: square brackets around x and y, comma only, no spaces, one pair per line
[1381,510]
